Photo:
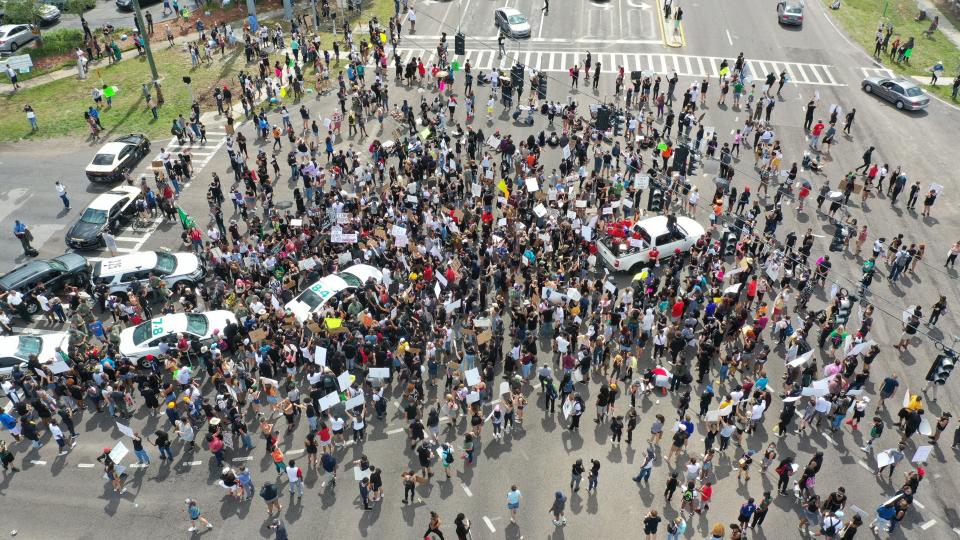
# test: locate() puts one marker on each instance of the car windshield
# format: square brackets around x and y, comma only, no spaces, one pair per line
[913,91]
[142,332]
[197,324]
[97,217]
[166,263]
[794,10]
[57,265]
[314,299]
[516,19]
[103,159]
[28,345]
[351,279]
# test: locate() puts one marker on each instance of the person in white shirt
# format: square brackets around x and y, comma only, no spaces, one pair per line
[295,479]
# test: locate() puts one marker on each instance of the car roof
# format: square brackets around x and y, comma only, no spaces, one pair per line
[364,272]
[131,262]
[17,276]
[112,147]
[48,344]
[506,10]
[106,200]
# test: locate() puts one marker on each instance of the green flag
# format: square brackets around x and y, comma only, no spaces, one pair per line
[185,220]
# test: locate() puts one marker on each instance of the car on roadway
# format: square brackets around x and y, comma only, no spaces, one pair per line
[105,214]
[511,22]
[790,13]
[118,274]
[117,157]
[127,5]
[54,274]
[627,246]
[16,350]
[14,36]
[314,297]
[903,93]
[46,13]
[145,338]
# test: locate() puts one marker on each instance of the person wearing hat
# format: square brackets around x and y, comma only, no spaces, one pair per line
[557,508]
[193,512]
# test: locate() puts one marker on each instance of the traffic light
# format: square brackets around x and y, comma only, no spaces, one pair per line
[516,75]
[942,367]
[655,202]
[460,44]
[542,86]
[603,119]
[728,243]
[843,310]
[680,154]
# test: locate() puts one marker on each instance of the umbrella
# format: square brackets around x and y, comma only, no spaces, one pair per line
[442,74]
[806,183]
[835,195]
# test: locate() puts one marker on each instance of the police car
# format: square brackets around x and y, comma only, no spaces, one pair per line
[16,350]
[177,269]
[317,295]
[145,338]
[627,246]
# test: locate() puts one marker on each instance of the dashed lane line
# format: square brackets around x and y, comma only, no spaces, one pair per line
[38,462]
[85,465]
[191,463]
[467,490]
[489,524]
[929,524]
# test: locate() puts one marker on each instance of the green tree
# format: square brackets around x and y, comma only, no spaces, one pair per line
[76,7]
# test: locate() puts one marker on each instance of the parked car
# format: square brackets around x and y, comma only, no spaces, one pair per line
[127,5]
[106,213]
[145,338]
[511,22]
[62,4]
[16,350]
[116,157]
[47,13]
[627,246]
[54,274]
[14,36]
[790,13]
[176,269]
[903,93]
[317,295]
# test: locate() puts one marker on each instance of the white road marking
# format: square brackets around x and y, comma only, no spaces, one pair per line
[919,504]
[38,462]
[247,458]
[928,524]
[489,524]
[85,465]
[191,463]
[297,451]
[956,530]
[467,490]
[864,464]
[395,431]
[729,39]
[138,465]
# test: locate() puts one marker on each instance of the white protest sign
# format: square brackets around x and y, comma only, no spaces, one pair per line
[713,416]
[726,410]
[379,373]
[925,427]
[921,455]
[884,458]
[344,380]
[59,367]
[567,408]
[354,402]
[126,430]
[540,210]
[320,356]
[862,347]
[119,452]
[329,400]
[801,360]
[451,306]
[532,185]
[574,294]
[473,397]
[504,388]
[813,391]
[359,474]
[473,376]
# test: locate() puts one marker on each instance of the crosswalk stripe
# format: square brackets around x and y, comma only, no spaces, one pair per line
[816,73]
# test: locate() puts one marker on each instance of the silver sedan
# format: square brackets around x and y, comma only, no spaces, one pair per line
[903,93]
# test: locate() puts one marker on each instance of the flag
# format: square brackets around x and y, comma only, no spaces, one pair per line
[333,323]
[185,220]
[502,186]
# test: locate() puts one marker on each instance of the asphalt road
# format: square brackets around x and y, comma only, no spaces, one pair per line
[537,458]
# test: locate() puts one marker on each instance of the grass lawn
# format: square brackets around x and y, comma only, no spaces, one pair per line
[860,19]
[60,104]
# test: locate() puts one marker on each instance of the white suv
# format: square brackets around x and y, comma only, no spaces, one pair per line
[119,273]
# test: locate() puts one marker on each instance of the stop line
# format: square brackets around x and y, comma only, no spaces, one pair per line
[659,63]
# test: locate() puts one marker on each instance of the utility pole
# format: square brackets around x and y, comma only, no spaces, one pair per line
[252,15]
[146,46]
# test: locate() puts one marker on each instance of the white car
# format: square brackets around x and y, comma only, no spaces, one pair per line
[511,22]
[16,350]
[317,295]
[632,251]
[145,338]
[116,157]
[119,273]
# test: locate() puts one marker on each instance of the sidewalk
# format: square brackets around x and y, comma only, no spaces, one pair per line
[946,27]
[7,88]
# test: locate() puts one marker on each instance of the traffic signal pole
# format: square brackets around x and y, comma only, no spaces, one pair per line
[146,46]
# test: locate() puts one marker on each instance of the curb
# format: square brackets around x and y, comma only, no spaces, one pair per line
[663,30]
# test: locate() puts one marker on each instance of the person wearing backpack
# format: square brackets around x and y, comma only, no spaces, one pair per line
[446,458]
[676,528]
[270,495]
[761,513]
[830,525]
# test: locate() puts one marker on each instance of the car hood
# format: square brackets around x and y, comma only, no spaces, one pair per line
[187,263]
[694,229]
[127,347]
[72,261]
[47,10]
[219,320]
[84,230]
[300,310]
[520,27]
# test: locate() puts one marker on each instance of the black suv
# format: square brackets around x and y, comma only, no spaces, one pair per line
[54,274]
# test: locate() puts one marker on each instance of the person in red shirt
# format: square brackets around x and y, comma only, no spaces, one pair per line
[677,310]
[815,134]
[450,275]
[802,194]
[428,273]
[655,256]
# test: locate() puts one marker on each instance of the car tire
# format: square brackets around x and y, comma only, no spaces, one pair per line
[867,88]
[33,307]
[899,104]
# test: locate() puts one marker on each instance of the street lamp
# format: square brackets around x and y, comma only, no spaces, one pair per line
[146,46]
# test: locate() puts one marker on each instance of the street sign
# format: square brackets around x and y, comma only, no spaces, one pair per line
[21,63]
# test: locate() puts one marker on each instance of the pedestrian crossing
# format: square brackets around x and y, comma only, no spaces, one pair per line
[657,63]
[131,239]
[877,72]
